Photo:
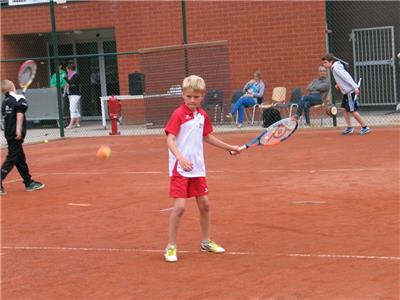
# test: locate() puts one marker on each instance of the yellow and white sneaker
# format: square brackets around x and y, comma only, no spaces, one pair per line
[170,253]
[211,246]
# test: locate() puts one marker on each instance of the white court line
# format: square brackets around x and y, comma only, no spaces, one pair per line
[324,170]
[334,256]
[167,209]
[308,202]
[211,171]
[80,204]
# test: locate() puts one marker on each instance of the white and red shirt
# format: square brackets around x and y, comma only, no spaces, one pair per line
[189,129]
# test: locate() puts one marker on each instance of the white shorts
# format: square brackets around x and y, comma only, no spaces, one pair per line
[74,106]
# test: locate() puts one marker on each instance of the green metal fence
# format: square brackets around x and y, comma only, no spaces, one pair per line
[364,35]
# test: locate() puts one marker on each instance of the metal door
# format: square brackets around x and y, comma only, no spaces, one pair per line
[374,62]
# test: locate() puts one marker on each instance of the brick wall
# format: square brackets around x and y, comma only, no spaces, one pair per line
[284,40]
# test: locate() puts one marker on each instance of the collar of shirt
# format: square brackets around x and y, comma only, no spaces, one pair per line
[188,111]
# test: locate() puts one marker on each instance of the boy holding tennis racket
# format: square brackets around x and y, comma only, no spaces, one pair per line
[186,130]
[13,110]
[350,91]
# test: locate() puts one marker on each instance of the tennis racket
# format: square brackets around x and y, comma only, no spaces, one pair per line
[358,84]
[276,133]
[26,74]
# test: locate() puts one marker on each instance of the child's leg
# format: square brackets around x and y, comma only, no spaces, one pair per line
[22,167]
[11,159]
[346,115]
[175,218]
[359,119]
[207,245]
[204,209]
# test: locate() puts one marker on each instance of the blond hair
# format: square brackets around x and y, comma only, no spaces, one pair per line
[7,86]
[195,83]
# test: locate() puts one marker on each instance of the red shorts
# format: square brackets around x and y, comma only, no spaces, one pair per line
[186,187]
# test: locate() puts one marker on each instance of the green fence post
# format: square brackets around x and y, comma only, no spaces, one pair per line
[56,62]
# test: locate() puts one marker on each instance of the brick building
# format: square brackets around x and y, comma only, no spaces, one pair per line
[283,39]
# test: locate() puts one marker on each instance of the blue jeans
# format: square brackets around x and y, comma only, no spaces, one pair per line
[240,105]
[305,103]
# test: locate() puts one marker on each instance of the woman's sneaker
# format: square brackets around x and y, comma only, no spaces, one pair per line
[348,130]
[211,246]
[170,253]
[364,130]
[34,185]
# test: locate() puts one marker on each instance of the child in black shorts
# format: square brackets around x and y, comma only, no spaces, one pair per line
[350,91]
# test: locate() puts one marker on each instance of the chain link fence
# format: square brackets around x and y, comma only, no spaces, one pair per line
[363,35]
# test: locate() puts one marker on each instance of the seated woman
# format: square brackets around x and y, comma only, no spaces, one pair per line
[316,89]
[254,90]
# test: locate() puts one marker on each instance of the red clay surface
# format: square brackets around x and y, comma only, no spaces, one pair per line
[316,217]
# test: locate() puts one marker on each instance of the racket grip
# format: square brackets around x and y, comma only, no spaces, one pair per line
[241,148]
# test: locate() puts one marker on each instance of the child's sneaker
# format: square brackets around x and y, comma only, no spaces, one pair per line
[211,246]
[170,253]
[2,191]
[348,130]
[34,185]
[364,130]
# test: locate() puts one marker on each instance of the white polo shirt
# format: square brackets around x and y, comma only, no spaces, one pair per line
[189,131]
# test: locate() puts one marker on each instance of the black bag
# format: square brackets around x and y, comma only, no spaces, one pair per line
[270,116]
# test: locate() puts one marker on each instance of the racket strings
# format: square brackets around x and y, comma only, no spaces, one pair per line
[25,76]
[26,73]
[277,134]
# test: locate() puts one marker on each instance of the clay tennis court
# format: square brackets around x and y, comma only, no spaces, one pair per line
[316,217]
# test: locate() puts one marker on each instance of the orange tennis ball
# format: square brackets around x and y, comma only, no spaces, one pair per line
[104,152]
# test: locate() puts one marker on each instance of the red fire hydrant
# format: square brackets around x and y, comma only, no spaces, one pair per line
[114,108]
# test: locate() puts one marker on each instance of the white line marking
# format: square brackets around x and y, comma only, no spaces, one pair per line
[166,209]
[211,171]
[323,170]
[308,202]
[13,180]
[337,256]
[143,172]
[80,204]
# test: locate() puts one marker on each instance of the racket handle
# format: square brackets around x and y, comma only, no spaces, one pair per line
[241,148]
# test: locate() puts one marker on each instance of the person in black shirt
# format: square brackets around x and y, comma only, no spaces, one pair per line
[74,96]
[13,110]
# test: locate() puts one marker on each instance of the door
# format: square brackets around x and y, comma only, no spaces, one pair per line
[98,73]
[110,80]
[374,62]
[89,71]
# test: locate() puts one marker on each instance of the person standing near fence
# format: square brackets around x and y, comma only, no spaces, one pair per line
[13,110]
[63,83]
[63,78]
[350,91]
[74,95]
